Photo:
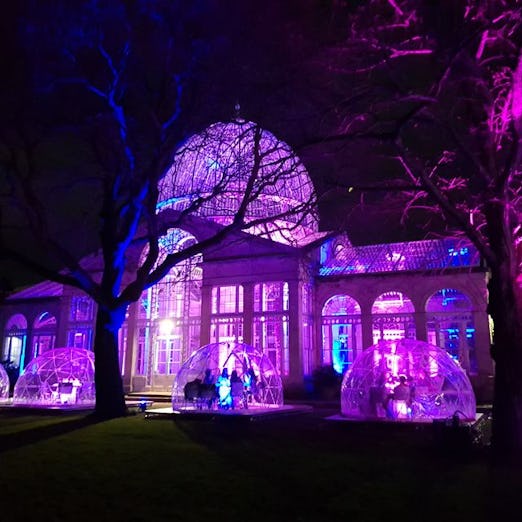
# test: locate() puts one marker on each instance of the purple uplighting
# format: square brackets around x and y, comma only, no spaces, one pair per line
[63,377]
[406,380]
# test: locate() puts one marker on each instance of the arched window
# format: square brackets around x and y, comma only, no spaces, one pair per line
[450,326]
[392,317]
[44,334]
[341,331]
[15,338]
[270,328]
[170,313]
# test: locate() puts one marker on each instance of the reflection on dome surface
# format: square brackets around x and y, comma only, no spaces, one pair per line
[227,376]
[406,380]
[4,384]
[62,377]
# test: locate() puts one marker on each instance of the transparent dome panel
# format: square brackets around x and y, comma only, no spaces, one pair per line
[4,384]
[62,377]
[213,170]
[227,376]
[405,380]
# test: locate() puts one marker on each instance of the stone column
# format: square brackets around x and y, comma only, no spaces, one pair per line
[206,312]
[248,312]
[366,325]
[63,321]
[295,376]
[421,328]
[129,362]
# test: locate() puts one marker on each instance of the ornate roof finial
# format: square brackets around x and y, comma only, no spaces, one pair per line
[237,111]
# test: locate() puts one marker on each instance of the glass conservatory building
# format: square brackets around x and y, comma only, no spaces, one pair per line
[301,307]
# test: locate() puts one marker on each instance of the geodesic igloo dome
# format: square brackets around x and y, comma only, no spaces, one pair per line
[4,384]
[216,166]
[242,358]
[406,380]
[62,377]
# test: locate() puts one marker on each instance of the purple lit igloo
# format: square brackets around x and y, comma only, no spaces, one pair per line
[406,380]
[258,384]
[4,384]
[63,377]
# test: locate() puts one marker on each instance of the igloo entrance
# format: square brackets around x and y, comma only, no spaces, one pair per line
[227,376]
[406,380]
[63,377]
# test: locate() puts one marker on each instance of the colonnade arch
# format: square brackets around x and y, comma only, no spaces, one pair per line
[391,314]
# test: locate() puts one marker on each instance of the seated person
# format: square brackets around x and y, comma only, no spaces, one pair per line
[207,391]
[191,390]
[400,399]
[223,389]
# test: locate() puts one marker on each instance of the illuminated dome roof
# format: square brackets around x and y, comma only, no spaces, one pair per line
[62,377]
[4,384]
[434,385]
[233,356]
[217,165]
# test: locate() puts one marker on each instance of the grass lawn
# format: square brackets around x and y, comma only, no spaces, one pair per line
[296,468]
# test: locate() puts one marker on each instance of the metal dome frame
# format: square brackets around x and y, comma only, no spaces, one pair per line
[216,167]
[4,384]
[62,378]
[233,356]
[438,387]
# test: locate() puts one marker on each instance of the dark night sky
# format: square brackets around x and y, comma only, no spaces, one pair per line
[263,58]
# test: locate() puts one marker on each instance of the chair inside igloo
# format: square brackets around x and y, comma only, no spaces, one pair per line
[406,380]
[62,377]
[227,376]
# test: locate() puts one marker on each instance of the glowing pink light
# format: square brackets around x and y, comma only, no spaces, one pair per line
[434,386]
[62,377]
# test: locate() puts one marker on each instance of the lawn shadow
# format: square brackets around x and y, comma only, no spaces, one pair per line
[429,442]
[25,437]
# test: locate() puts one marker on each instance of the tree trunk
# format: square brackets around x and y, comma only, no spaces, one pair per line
[507,354]
[110,399]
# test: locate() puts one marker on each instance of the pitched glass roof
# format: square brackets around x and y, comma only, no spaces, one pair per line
[396,257]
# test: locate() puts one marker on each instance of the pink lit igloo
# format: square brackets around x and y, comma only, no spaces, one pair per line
[258,384]
[4,384]
[406,380]
[63,377]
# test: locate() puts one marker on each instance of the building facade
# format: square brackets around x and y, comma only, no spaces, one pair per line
[303,307]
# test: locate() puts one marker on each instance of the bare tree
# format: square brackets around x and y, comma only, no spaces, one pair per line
[124,188]
[440,88]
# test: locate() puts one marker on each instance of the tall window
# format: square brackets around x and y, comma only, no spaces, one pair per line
[170,312]
[270,330]
[15,338]
[226,322]
[44,333]
[450,326]
[392,317]
[307,321]
[341,329]
[81,316]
